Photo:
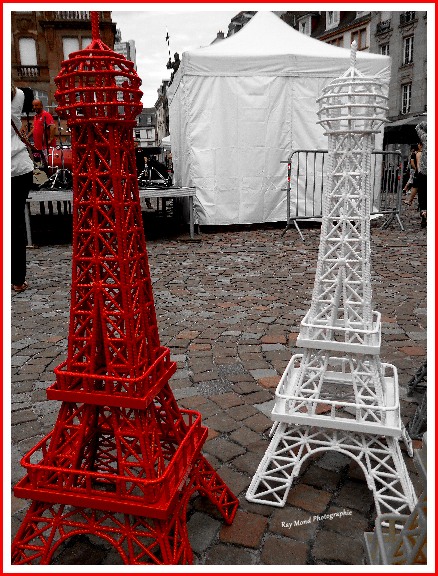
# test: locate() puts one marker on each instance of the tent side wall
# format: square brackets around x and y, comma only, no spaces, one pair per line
[178,135]
[230,136]
[233,134]
[239,107]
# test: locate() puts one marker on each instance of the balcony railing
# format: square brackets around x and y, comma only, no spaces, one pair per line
[383,26]
[28,71]
[406,17]
[72,15]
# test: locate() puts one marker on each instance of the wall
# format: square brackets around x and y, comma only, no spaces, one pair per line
[48,29]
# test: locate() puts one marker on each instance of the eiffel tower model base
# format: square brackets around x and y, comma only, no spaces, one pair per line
[379,457]
[139,540]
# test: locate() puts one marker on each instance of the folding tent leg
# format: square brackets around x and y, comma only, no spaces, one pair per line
[400,222]
[288,227]
[285,230]
[28,226]
[298,230]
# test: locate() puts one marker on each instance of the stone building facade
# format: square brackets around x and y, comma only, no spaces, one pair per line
[42,40]
[162,111]
[403,35]
[239,21]
[145,131]
[334,27]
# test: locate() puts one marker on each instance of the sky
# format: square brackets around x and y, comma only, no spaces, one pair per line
[187,30]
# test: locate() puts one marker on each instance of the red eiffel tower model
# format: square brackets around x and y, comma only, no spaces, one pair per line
[123,459]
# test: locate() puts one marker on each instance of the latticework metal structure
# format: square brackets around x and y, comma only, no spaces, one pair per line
[418,380]
[418,420]
[402,539]
[123,459]
[338,385]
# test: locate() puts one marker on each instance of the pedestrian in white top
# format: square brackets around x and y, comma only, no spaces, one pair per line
[21,183]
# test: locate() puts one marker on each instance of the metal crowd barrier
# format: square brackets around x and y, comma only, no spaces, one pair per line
[306,171]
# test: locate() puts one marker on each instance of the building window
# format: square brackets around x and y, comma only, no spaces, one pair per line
[406,98]
[408,50]
[332,19]
[383,25]
[361,38]
[28,54]
[406,17]
[137,134]
[337,41]
[384,49]
[304,25]
[69,45]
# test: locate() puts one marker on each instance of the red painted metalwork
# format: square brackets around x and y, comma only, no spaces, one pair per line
[122,460]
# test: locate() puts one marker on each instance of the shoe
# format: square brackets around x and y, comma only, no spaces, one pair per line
[423,220]
[21,288]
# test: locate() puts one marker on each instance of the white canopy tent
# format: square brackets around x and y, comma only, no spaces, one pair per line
[240,106]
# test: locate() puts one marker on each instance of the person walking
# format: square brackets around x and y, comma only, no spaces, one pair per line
[412,168]
[140,161]
[422,173]
[415,180]
[21,183]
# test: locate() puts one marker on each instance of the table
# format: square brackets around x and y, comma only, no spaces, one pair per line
[174,192]
[52,195]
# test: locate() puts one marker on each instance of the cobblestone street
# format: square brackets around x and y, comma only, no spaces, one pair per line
[229,307]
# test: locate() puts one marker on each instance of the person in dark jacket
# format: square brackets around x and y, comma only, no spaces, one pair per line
[422,173]
[415,181]
[412,169]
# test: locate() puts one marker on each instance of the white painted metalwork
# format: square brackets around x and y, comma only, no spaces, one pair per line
[350,399]
[379,457]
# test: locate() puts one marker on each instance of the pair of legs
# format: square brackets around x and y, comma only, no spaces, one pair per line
[420,188]
[20,186]
[414,192]
[408,185]
[422,198]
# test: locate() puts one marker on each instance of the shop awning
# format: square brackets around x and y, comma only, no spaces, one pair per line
[403,131]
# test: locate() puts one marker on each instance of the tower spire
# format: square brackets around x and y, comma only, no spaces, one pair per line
[95,33]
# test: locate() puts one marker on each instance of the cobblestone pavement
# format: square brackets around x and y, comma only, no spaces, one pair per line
[229,308]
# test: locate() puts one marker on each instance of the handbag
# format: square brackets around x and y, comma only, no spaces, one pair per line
[30,147]
[39,175]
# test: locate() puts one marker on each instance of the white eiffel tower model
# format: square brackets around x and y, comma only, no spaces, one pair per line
[348,402]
